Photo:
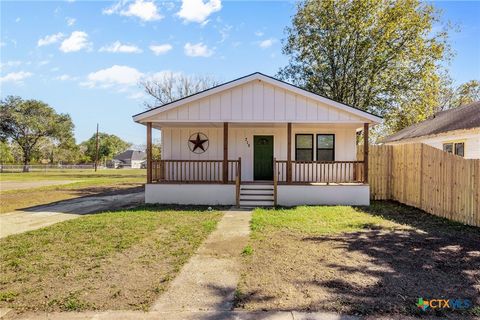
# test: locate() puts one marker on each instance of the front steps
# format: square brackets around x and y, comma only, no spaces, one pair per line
[257,195]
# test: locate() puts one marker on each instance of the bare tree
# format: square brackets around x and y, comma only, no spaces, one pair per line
[170,86]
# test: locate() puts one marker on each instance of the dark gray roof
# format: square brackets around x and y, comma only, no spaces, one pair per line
[131,155]
[464,117]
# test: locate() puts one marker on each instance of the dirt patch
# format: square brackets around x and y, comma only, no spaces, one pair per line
[375,271]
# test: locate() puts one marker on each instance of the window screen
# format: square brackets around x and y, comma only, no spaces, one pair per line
[459,149]
[448,147]
[304,147]
[325,147]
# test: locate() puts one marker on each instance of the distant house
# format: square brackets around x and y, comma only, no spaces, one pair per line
[456,131]
[130,159]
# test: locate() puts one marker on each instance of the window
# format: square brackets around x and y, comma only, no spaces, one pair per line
[304,147]
[448,147]
[457,148]
[325,147]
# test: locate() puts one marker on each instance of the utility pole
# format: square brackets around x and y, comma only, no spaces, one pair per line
[96,150]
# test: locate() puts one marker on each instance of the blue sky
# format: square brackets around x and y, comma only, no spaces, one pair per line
[85,58]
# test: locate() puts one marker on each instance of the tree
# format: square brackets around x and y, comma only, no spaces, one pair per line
[109,145]
[6,155]
[376,55]
[170,86]
[27,122]
[465,93]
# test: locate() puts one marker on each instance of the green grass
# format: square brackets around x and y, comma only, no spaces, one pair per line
[372,260]
[112,260]
[317,220]
[75,174]
[83,182]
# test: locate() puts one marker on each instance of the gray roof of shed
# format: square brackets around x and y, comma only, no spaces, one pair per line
[464,117]
[131,155]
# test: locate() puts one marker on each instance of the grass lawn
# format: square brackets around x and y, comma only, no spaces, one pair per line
[113,260]
[82,183]
[358,260]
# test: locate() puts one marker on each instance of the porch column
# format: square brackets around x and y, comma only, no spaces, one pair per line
[225,152]
[149,152]
[289,152]
[365,152]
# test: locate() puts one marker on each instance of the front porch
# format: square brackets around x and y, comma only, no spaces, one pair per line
[221,181]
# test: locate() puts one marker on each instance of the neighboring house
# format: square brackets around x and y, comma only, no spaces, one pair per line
[256,141]
[130,159]
[456,131]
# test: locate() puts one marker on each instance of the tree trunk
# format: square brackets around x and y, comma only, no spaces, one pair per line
[26,161]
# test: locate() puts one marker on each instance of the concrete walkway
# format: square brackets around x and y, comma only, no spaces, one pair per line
[193,315]
[208,281]
[42,216]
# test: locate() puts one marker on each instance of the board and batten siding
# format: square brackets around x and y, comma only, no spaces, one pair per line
[257,101]
[240,144]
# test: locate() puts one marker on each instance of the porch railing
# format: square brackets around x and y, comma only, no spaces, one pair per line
[194,171]
[320,171]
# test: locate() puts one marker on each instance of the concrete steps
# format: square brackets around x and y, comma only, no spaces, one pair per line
[256,195]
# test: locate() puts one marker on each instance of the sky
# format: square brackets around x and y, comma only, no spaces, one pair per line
[85,58]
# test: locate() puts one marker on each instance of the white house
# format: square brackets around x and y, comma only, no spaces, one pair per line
[257,141]
[129,159]
[456,131]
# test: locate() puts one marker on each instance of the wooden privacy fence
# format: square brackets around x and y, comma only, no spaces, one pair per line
[419,175]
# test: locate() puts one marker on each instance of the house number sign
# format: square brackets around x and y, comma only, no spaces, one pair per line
[198,143]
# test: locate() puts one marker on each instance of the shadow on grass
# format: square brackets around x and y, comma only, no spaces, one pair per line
[434,259]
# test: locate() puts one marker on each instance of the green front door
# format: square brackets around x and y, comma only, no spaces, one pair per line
[263,157]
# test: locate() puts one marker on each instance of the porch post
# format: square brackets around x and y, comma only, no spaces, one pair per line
[289,152]
[365,152]
[225,152]
[149,152]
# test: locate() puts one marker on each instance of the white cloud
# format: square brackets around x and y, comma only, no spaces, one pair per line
[144,10]
[76,42]
[198,10]
[11,63]
[50,39]
[17,20]
[161,48]
[118,47]
[258,33]
[267,43]
[70,21]
[120,76]
[43,62]
[197,50]
[65,77]
[16,77]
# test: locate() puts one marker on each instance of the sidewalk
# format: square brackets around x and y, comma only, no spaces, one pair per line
[191,315]
[208,281]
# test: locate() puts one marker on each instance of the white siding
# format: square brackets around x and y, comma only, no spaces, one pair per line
[240,144]
[471,138]
[257,101]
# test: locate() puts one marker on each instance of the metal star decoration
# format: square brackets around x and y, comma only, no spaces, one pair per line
[198,143]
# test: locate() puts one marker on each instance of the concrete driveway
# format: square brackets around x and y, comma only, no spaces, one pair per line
[42,216]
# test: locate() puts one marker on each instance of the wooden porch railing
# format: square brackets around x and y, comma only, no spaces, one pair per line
[321,171]
[194,171]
